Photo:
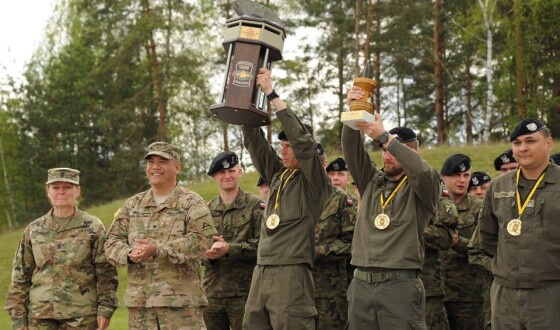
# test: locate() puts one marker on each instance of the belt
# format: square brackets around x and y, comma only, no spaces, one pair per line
[373,277]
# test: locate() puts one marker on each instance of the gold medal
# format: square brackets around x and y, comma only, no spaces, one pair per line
[514,227]
[272,221]
[382,221]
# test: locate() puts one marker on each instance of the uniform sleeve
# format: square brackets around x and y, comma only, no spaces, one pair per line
[247,250]
[309,162]
[477,256]
[107,279]
[488,223]
[358,160]
[462,245]
[264,157]
[116,245]
[438,234]
[18,292]
[196,240]
[341,246]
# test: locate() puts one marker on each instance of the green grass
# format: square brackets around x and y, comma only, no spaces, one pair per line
[482,159]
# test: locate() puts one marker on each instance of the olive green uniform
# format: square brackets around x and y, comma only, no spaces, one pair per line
[171,281]
[60,273]
[228,278]
[465,283]
[526,288]
[333,239]
[438,237]
[282,293]
[386,292]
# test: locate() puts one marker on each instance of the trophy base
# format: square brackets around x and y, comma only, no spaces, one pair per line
[252,116]
[349,118]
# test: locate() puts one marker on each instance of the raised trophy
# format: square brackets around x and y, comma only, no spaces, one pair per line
[253,40]
[361,110]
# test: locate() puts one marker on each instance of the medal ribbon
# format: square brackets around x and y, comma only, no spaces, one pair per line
[282,186]
[385,202]
[521,208]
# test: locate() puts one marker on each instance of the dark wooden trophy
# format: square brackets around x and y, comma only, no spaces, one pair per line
[361,110]
[253,40]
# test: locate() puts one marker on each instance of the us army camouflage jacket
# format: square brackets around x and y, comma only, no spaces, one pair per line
[240,226]
[333,239]
[182,230]
[61,272]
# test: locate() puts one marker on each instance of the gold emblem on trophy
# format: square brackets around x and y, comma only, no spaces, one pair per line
[361,110]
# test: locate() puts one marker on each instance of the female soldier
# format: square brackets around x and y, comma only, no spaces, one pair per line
[61,278]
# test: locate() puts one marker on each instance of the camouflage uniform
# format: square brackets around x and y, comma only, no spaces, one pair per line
[477,256]
[181,228]
[333,239]
[227,279]
[438,237]
[60,272]
[465,283]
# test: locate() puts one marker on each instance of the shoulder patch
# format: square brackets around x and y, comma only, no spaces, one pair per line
[349,202]
[262,205]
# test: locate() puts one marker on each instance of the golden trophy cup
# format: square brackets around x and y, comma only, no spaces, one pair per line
[361,110]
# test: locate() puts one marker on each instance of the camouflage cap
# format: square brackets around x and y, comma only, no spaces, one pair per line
[63,174]
[165,150]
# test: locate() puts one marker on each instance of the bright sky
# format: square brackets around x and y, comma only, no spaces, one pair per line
[22,23]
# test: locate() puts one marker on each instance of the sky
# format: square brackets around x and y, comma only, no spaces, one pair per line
[22,24]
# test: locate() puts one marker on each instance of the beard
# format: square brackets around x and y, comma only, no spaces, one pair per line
[393,170]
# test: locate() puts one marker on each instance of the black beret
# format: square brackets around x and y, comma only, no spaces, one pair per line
[319,149]
[404,134]
[526,126]
[282,135]
[556,158]
[455,164]
[260,182]
[479,178]
[337,165]
[505,158]
[222,161]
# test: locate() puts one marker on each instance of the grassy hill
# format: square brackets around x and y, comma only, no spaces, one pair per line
[482,159]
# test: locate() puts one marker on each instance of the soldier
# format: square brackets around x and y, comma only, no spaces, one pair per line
[519,227]
[282,291]
[237,216]
[388,244]
[333,239]
[478,184]
[464,283]
[556,158]
[438,237]
[162,235]
[61,278]
[505,162]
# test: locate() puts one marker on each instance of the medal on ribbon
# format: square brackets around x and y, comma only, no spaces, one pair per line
[382,220]
[273,220]
[514,226]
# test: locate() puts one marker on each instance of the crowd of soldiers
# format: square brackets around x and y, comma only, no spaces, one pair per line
[411,248]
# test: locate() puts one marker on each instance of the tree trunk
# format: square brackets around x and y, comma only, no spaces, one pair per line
[12,214]
[437,73]
[519,72]
[468,121]
[487,11]
[357,41]
[377,52]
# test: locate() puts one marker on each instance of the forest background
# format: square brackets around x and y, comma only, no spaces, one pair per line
[113,76]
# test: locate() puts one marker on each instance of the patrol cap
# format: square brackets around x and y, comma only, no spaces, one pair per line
[556,158]
[165,150]
[63,174]
[404,134]
[478,178]
[282,135]
[337,165]
[223,161]
[456,163]
[505,158]
[261,181]
[320,150]
[526,126]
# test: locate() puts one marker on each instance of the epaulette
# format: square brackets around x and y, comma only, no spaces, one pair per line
[262,205]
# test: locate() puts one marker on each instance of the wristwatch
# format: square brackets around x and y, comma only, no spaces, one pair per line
[272,95]
[382,139]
